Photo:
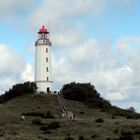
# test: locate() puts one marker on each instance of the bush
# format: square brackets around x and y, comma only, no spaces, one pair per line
[116,111]
[54,125]
[84,92]
[126,137]
[49,114]
[69,138]
[2,132]
[113,117]
[116,130]
[44,128]
[98,103]
[81,138]
[137,131]
[81,112]
[126,133]
[100,120]
[18,90]
[37,122]
[94,136]
[39,114]
[79,91]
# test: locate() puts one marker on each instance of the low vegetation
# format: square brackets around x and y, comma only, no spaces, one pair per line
[18,90]
[87,94]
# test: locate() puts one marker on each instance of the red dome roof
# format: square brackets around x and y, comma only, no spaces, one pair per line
[43,30]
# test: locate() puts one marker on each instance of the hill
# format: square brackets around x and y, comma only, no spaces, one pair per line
[43,121]
[88,95]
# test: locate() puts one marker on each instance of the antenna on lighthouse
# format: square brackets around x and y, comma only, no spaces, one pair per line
[49,28]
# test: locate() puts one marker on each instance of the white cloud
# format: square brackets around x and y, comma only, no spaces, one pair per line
[13,68]
[116,96]
[15,11]
[114,76]
[10,61]
[60,13]
[28,74]
[12,65]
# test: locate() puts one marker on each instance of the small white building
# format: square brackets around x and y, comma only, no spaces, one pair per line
[43,75]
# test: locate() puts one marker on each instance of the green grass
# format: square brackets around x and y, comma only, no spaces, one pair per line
[83,111]
[39,128]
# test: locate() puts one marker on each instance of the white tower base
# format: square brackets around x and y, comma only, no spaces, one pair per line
[41,87]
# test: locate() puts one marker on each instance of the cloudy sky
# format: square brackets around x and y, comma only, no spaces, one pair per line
[95,41]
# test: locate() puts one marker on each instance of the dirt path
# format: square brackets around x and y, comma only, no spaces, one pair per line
[65,109]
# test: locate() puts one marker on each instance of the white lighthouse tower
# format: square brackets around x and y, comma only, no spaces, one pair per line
[43,77]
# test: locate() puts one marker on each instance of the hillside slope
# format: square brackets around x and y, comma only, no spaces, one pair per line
[42,121]
[35,109]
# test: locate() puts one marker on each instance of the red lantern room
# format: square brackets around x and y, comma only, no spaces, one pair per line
[43,38]
[43,30]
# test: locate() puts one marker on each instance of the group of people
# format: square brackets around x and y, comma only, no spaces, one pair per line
[64,113]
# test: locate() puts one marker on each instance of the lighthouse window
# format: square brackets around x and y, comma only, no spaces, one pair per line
[47,69]
[47,78]
[47,59]
[46,49]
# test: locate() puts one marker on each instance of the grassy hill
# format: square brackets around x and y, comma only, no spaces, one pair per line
[42,121]
[25,115]
[35,107]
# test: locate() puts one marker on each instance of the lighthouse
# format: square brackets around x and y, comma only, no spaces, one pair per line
[43,75]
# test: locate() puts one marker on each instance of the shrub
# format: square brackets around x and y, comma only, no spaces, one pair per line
[53,125]
[94,136]
[84,92]
[49,114]
[126,133]
[37,122]
[81,112]
[39,114]
[116,130]
[44,128]
[42,138]
[126,137]
[69,138]
[81,138]
[137,131]
[13,132]
[79,91]
[100,120]
[2,132]
[18,90]
[113,117]
[122,112]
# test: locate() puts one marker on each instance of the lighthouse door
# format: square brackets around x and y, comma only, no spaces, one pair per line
[48,90]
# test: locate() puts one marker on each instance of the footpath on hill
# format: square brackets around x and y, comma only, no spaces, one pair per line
[65,109]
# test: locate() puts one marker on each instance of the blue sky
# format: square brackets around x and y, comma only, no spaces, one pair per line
[95,41]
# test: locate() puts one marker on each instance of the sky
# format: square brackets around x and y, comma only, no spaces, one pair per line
[96,41]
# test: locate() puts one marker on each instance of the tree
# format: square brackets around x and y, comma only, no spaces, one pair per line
[18,90]
[79,91]
[132,109]
[84,92]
